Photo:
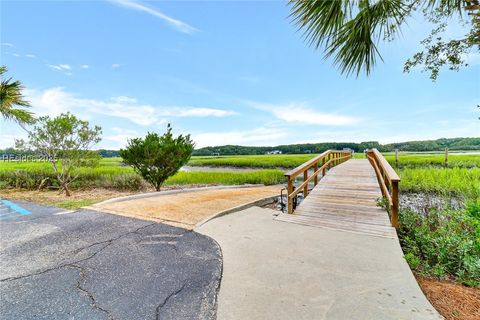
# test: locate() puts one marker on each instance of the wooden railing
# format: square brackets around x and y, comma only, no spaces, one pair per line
[320,164]
[388,180]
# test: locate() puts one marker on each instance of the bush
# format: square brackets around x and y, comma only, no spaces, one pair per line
[157,157]
[443,243]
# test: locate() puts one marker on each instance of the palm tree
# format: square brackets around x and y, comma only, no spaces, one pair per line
[349,30]
[11,98]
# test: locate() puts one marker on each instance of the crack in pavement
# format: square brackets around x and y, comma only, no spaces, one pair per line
[106,242]
[90,295]
[161,305]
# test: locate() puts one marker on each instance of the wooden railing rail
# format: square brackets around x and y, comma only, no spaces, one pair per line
[388,180]
[319,164]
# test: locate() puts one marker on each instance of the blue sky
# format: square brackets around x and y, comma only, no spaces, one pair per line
[226,72]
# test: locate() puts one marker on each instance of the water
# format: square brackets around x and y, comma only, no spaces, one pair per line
[217,169]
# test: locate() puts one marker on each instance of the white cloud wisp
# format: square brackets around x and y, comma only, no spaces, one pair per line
[175,23]
[56,100]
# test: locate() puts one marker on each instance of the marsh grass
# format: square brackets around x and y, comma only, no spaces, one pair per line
[289,161]
[110,174]
[458,182]
[419,173]
[266,177]
[253,161]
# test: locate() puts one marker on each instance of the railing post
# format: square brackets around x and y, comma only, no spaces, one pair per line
[324,168]
[305,189]
[289,191]
[395,204]
[315,168]
[446,157]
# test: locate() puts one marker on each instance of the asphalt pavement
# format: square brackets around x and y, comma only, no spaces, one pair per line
[92,265]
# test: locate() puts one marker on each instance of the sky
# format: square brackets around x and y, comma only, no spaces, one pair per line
[226,72]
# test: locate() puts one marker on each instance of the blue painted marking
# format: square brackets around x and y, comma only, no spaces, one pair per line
[15,207]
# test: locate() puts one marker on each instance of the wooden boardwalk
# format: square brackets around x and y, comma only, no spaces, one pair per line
[345,199]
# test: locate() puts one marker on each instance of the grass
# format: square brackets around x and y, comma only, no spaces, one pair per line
[435,160]
[459,182]
[266,177]
[419,173]
[73,204]
[110,174]
[253,161]
[405,160]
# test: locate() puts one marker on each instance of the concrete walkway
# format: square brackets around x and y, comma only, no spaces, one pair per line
[278,270]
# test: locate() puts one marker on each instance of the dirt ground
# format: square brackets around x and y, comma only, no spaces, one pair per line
[78,199]
[453,301]
[186,209]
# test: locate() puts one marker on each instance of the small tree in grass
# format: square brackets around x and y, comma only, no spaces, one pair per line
[66,142]
[158,157]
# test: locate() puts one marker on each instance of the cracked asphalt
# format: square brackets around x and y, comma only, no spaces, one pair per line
[92,265]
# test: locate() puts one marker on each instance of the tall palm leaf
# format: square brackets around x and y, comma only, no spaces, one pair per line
[349,30]
[11,98]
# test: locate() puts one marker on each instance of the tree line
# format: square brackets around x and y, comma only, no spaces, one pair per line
[423,145]
[466,144]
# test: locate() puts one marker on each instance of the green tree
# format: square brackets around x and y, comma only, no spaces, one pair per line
[351,30]
[158,157]
[12,101]
[66,142]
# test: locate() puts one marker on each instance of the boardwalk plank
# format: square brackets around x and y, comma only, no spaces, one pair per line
[345,199]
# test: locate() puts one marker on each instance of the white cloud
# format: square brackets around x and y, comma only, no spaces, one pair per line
[6,44]
[472,58]
[54,101]
[29,55]
[8,140]
[15,55]
[177,24]
[254,137]
[202,112]
[84,66]
[119,138]
[115,65]
[302,114]
[61,67]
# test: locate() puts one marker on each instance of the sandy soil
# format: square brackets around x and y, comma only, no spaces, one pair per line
[79,198]
[188,208]
[454,301]
[55,198]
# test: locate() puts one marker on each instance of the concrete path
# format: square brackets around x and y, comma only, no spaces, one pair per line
[92,265]
[186,209]
[278,270]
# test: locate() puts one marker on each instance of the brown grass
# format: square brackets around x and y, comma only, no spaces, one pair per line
[454,301]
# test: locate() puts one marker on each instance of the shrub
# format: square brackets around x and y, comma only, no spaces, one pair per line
[156,157]
[442,244]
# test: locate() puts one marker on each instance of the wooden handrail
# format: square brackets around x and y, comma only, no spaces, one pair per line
[320,164]
[388,180]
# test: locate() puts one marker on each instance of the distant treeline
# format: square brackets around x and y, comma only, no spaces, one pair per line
[424,145]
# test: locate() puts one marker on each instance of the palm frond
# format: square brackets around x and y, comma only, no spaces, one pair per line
[11,96]
[349,30]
